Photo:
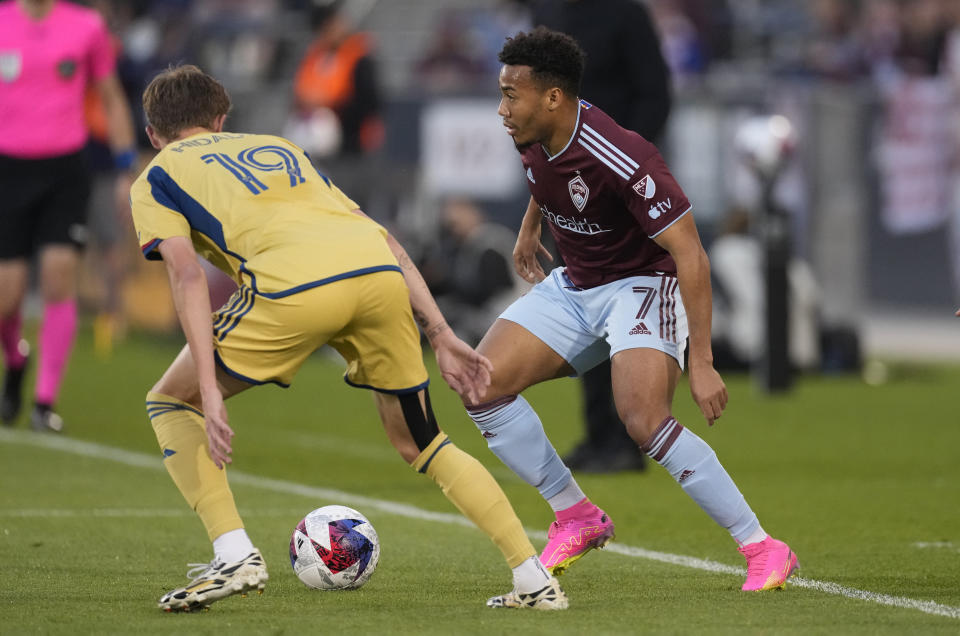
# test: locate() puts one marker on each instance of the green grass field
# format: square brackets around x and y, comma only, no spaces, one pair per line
[862,481]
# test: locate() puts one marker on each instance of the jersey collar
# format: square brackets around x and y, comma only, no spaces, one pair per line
[576,130]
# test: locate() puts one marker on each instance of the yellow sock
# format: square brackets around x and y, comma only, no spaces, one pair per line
[183,440]
[472,489]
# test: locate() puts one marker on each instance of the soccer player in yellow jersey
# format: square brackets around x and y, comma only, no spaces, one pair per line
[312,269]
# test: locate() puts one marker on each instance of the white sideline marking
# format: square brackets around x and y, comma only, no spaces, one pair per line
[928,607]
[24,513]
[141,460]
[936,544]
[144,513]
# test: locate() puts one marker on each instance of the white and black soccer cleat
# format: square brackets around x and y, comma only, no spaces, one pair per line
[549,597]
[216,580]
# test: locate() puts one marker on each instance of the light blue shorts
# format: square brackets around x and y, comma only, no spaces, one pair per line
[585,326]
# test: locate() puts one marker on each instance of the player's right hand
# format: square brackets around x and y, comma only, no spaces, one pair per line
[462,368]
[219,433]
[525,257]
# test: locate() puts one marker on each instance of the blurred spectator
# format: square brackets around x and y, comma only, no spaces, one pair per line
[234,38]
[451,62]
[923,37]
[463,52]
[951,67]
[111,229]
[625,72]
[914,148]
[713,21]
[880,35]
[625,75]
[737,263]
[492,27]
[835,49]
[338,102]
[470,270]
[680,40]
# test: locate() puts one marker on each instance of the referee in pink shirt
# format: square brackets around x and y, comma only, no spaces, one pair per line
[50,51]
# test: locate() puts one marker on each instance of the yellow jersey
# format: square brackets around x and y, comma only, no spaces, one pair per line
[256,208]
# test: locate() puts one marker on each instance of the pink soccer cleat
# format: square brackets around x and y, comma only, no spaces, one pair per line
[769,564]
[569,540]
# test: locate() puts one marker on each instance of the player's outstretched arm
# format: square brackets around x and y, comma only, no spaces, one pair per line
[693,275]
[528,246]
[191,297]
[466,371]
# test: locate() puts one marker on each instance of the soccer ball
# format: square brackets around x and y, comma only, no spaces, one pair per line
[334,548]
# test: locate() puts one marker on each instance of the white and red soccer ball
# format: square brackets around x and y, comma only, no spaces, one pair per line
[334,548]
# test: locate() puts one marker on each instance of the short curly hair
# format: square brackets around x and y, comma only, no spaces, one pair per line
[554,57]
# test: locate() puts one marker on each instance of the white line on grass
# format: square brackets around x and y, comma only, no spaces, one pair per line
[145,513]
[44,513]
[141,460]
[948,545]
[827,587]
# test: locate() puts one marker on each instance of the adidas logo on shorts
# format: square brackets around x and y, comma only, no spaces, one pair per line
[640,329]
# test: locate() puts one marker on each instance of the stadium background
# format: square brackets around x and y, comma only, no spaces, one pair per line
[884,245]
[91,531]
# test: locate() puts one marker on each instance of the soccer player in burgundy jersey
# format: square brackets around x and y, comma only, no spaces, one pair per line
[635,288]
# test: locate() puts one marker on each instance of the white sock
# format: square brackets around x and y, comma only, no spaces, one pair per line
[757,536]
[233,545]
[530,576]
[692,462]
[569,496]
[515,434]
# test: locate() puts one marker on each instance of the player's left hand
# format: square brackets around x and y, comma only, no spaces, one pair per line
[219,433]
[708,390]
[466,371]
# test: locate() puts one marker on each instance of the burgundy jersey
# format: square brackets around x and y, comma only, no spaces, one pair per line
[604,196]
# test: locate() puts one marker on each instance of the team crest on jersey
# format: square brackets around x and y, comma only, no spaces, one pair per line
[10,65]
[645,187]
[578,192]
[530,175]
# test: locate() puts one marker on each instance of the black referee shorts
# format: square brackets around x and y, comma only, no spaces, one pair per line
[42,202]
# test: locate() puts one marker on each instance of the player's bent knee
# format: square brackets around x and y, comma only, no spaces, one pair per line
[641,427]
